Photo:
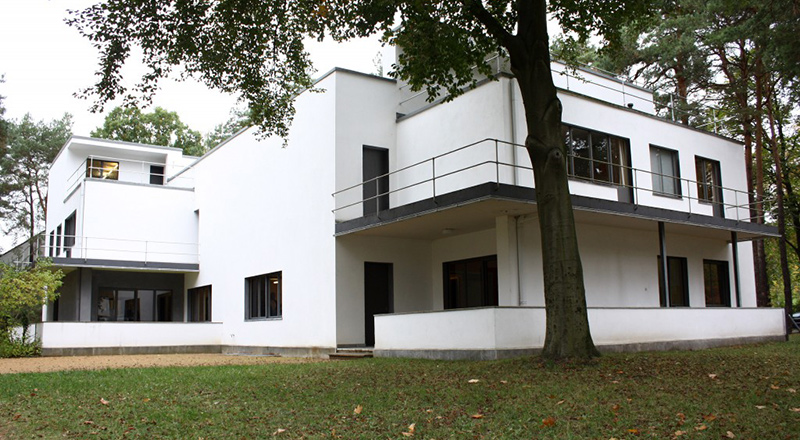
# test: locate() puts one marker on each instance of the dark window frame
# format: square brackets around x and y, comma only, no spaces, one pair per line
[97,169]
[617,163]
[157,174]
[258,299]
[682,264]
[70,224]
[708,192]
[489,283]
[724,284]
[658,174]
[195,294]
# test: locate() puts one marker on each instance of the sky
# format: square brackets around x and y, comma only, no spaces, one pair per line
[45,62]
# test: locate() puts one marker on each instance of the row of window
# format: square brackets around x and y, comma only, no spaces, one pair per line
[604,158]
[473,283]
[62,238]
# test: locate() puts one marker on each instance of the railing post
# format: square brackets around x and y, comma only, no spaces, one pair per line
[736,203]
[433,177]
[145,252]
[497,164]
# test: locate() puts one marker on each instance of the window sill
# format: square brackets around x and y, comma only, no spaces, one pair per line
[271,318]
[668,195]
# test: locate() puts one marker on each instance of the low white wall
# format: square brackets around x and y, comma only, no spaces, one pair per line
[497,328]
[129,334]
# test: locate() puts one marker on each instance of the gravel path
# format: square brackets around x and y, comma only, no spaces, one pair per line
[45,364]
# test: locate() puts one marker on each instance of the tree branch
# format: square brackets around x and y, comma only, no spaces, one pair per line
[489,22]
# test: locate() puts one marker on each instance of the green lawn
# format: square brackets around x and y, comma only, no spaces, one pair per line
[745,392]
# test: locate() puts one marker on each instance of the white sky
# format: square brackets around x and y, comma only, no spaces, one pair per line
[45,62]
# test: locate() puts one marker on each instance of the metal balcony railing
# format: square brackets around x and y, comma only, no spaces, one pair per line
[120,249]
[492,160]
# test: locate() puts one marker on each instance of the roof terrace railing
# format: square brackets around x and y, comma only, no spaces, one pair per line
[491,160]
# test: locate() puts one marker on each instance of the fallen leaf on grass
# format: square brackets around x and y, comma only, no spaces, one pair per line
[88,422]
[730,435]
[477,416]
[775,387]
[634,431]
[679,433]
[146,399]
[279,431]
[103,401]
[560,402]
[473,380]
[700,428]
[615,407]
[412,428]
[548,422]
[712,376]
[710,418]
[358,409]
[795,410]
[761,406]
[791,390]
[503,382]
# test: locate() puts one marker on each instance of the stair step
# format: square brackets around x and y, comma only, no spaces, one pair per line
[351,353]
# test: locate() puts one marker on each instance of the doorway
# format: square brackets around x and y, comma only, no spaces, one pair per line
[375,192]
[378,296]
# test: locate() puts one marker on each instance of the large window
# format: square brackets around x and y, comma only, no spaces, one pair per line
[717,283]
[263,296]
[200,304]
[134,305]
[708,180]
[666,172]
[678,277]
[597,156]
[102,169]
[470,283]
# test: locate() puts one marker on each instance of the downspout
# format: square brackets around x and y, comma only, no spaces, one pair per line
[513,125]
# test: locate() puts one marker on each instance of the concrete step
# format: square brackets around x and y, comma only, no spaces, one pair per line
[351,353]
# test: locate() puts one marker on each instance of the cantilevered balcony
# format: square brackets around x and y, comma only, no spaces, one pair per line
[466,188]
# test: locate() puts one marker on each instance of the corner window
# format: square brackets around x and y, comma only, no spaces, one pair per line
[52,249]
[678,280]
[102,169]
[200,304]
[665,171]
[470,283]
[717,283]
[263,298]
[596,156]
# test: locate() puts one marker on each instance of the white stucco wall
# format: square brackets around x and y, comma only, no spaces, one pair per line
[411,274]
[128,334]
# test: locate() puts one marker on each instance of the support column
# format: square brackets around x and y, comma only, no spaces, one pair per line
[85,295]
[735,251]
[663,283]
[507,261]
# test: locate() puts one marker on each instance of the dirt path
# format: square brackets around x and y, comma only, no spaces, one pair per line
[45,364]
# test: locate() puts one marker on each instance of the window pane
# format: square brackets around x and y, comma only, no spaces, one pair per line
[146,305]
[470,283]
[619,158]
[105,305]
[127,306]
[163,302]
[600,154]
[715,277]
[664,165]
[274,285]
[582,153]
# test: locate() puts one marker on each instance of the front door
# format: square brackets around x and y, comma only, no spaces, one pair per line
[378,296]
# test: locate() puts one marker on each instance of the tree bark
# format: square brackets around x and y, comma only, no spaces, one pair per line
[567,329]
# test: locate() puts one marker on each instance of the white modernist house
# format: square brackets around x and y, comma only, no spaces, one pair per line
[390,222]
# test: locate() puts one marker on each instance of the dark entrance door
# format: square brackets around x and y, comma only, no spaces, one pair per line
[378,296]
[375,192]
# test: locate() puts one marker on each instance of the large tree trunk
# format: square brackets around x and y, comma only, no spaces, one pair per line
[567,333]
[759,251]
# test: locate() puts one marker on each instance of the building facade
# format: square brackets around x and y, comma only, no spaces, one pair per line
[410,226]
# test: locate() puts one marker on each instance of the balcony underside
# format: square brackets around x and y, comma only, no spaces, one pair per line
[126,265]
[475,208]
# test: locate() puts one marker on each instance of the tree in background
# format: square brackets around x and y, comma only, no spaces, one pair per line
[3,125]
[240,118]
[24,167]
[159,127]
[256,49]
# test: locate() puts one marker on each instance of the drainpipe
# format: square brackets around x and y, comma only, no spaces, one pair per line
[513,124]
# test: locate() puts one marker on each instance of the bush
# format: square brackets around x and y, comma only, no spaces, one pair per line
[15,346]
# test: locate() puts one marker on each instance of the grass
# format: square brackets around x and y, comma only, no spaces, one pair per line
[743,392]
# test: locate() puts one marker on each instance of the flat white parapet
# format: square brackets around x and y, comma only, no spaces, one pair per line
[508,328]
[128,334]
